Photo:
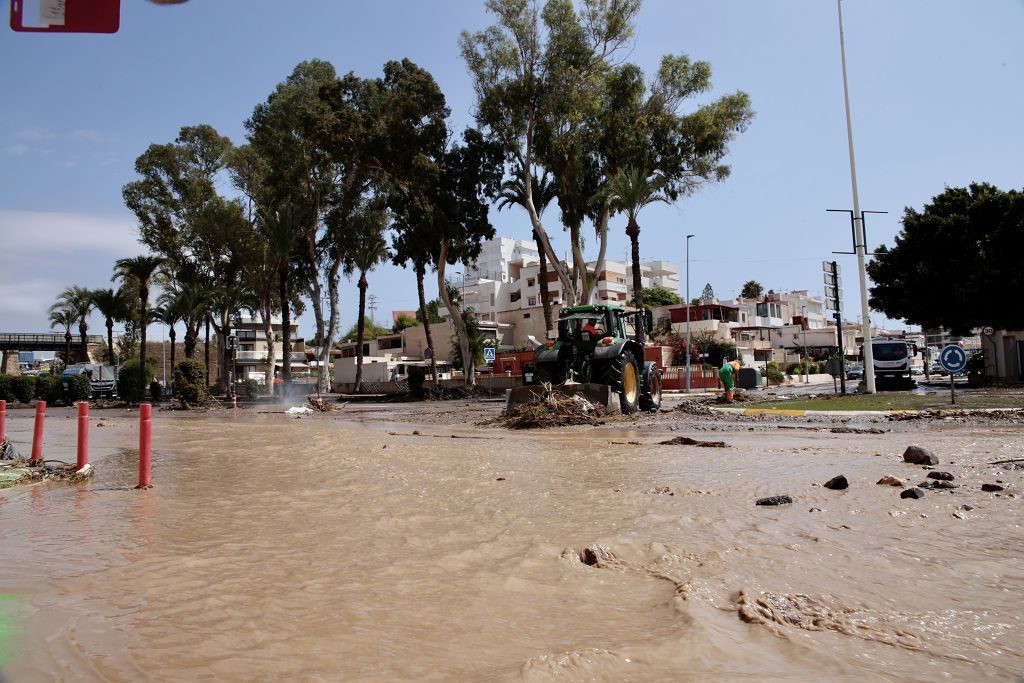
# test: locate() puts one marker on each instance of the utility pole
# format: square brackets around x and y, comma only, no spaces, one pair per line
[372,305]
[688,313]
[807,359]
[859,235]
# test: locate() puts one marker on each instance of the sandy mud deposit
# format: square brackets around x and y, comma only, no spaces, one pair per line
[369,544]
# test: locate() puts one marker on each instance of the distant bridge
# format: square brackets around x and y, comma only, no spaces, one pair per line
[43,342]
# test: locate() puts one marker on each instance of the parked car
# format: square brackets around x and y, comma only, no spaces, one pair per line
[937,369]
[916,369]
[855,372]
[103,378]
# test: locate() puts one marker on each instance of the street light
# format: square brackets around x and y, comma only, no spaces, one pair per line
[688,313]
[807,360]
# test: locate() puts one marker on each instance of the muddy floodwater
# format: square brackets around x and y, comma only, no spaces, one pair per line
[345,547]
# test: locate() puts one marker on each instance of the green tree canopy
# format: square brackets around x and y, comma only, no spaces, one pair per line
[752,289]
[708,293]
[403,322]
[660,296]
[371,331]
[956,263]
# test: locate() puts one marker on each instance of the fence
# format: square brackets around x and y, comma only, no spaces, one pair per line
[700,378]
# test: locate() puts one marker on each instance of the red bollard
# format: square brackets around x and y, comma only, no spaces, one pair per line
[83,434]
[3,420]
[234,400]
[37,434]
[145,420]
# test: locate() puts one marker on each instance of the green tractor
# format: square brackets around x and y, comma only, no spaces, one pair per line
[600,345]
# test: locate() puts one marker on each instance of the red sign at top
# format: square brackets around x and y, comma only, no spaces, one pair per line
[66,16]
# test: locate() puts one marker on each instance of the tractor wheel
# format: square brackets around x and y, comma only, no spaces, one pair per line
[624,378]
[650,399]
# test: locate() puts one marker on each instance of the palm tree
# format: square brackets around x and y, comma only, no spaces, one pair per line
[631,190]
[112,305]
[366,250]
[140,270]
[79,301]
[513,192]
[169,311]
[281,227]
[61,316]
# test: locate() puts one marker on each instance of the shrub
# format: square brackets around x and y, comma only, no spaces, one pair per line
[49,389]
[190,381]
[156,391]
[128,379]
[218,387]
[252,388]
[773,373]
[79,388]
[794,369]
[23,387]
[417,377]
[6,388]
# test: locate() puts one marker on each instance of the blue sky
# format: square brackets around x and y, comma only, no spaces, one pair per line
[935,87]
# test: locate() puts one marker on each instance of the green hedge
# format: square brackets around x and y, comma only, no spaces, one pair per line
[23,387]
[190,381]
[128,379]
[79,388]
[49,389]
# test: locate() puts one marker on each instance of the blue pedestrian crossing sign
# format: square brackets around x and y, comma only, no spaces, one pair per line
[489,354]
[952,358]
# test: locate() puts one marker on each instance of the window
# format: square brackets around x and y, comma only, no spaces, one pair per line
[526,315]
[530,282]
[532,301]
[515,296]
[492,298]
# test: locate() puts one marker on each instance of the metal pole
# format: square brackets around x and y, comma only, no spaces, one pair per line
[688,313]
[145,442]
[861,248]
[807,360]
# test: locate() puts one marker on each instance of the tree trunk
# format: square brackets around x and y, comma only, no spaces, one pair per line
[144,300]
[67,348]
[226,356]
[207,350]
[191,335]
[286,328]
[633,230]
[173,336]
[468,368]
[268,332]
[602,239]
[84,338]
[568,290]
[327,341]
[420,273]
[110,340]
[545,296]
[360,330]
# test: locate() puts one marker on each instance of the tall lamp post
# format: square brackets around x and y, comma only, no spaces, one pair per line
[807,359]
[688,313]
[858,220]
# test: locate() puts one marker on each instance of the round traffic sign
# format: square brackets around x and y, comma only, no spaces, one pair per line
[988,330]
[952,358]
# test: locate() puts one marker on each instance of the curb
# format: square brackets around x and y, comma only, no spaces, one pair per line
[840,413]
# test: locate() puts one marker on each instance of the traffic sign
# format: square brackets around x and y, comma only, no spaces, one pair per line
[988,330]
[428,353]
[833,280]
[826,266]
[952,358]
[489,354]
[833,292]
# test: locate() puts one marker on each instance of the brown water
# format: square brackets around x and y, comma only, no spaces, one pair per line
[327,549]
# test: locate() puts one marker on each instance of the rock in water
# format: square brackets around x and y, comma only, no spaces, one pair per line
[919,455]
[944,476]
[775,500]
[913,492]
[889,480]
[991,487]
[837,483]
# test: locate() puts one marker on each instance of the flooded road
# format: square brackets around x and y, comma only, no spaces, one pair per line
[326,548]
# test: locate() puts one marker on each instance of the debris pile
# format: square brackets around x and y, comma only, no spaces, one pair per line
[553,411]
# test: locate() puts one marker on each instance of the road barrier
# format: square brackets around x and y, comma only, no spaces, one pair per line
[37,434]
[145,423]
[3,421]
[83,435]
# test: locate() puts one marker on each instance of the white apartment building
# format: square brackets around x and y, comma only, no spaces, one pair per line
[252,356]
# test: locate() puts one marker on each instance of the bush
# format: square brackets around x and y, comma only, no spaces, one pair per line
[794,369]
[6,388]
[156,391]
[773,373]
[128,379]
[49,389]
[252,388]
[190,381]
[79,388]
[23,387]
[417,377]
